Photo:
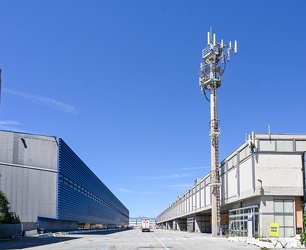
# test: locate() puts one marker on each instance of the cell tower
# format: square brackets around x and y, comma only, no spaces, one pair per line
[214,56]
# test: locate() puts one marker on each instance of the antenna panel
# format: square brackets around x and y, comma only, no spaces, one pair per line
[235,47]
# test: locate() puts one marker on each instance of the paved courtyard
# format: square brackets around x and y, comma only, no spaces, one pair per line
[132,239]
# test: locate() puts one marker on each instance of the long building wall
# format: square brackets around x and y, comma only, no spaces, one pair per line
[44,179]
[83,196]
[259,172]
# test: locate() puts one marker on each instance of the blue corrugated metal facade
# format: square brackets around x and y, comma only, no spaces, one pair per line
[82,196]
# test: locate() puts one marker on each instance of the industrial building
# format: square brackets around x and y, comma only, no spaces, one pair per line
[262,185]
[135,222]
[48,185]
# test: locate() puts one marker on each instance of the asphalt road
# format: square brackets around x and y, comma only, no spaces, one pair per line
[132,239]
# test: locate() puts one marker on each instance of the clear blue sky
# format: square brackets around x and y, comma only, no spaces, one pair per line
[118,81]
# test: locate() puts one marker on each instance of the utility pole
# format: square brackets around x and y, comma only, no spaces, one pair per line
[214,56]
[0,85]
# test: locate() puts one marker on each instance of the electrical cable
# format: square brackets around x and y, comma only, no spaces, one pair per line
[224,65]
[204,92]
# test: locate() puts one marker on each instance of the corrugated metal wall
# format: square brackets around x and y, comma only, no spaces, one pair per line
[42,177]
[82,195]
[28,174]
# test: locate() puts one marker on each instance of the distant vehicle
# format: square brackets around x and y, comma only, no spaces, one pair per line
[145,225]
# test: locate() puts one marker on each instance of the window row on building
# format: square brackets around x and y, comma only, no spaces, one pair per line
[263,180]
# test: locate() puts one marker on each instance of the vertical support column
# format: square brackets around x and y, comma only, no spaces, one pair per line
[0,85]
[197,223]
[226,179]
[214,134]
[238,174]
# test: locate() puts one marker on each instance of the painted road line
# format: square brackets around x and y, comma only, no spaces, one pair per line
[136,240]
[161,242]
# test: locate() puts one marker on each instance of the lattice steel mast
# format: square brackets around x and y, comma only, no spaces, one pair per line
[214,56]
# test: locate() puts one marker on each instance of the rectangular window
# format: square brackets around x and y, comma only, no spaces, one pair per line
[238,224]
[267,145]
[279,219]
[288,219]
[300,146]
[278,206]
[244,153]
[284,146]
[284,215]
[288,206]
[289,231]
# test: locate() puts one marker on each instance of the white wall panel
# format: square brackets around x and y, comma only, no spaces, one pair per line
[246,177]
[208,195]
[223,187]
[198,201]
[202,197]
[232,182]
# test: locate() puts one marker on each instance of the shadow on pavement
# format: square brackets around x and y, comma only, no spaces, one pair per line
[107,231]
[26,242]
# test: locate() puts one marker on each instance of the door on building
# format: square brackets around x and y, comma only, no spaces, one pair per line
[238,221]
[190,224]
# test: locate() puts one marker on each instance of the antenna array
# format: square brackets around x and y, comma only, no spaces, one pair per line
[214,56]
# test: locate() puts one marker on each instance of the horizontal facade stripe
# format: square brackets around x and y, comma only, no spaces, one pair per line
[27,167]
[82,196]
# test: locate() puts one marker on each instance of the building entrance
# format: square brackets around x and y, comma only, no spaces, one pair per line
[190,224]
[240,218]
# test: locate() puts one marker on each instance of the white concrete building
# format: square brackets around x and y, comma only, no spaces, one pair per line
[136,222]
[262,182]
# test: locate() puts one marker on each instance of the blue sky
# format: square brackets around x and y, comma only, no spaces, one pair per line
[118,81]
